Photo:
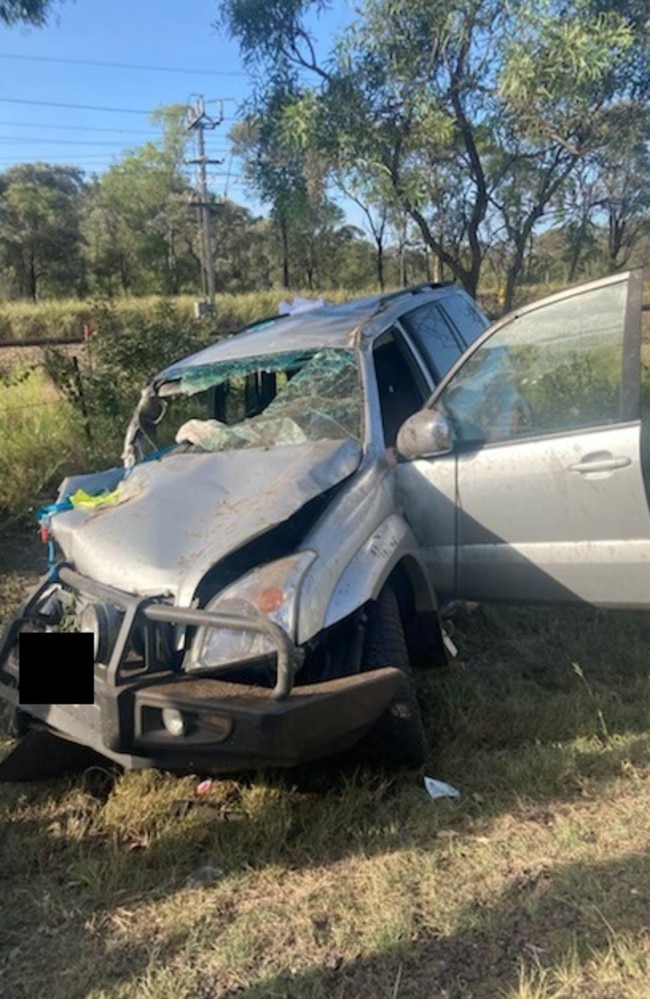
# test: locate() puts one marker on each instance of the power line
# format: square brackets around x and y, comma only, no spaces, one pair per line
[89,164]
[67,142]
[75,128]
[96,158]
[81,107]
[76,107]
[124,65]
[57,142]
[82,164]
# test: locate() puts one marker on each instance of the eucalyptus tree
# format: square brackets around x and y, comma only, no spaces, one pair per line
[141,224]
[40,237]
[576,218]
[287,176]
[623,171]
[471,113]
[25,11]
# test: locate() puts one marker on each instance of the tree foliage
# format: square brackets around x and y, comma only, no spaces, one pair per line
[25,11]
[288,176]
[40,240]
[471,115]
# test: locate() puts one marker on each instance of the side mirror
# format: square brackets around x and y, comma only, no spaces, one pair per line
[424,434]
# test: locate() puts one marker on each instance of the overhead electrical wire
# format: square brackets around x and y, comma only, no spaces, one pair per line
[123,65]
[80,107]
[99,164]
[58,142]
[76,142]
[75,128]
[75,107]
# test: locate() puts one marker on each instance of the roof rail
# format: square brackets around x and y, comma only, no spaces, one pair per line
[416,289]
[263,319]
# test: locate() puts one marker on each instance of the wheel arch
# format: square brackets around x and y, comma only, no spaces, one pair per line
[391,557]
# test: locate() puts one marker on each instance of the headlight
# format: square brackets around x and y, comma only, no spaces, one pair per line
[103,622]
[273,591]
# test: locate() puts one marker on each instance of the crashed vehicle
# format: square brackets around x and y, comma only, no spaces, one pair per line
[295,500]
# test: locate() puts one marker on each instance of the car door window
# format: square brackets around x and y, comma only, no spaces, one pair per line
[434,338]
[552,369]
[400,391]
[465,316]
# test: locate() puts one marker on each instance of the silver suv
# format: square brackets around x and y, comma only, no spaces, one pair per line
[253,586]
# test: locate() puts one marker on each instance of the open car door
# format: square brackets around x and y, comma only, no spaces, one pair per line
[525,477]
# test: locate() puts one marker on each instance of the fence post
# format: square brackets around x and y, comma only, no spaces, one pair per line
[82,399]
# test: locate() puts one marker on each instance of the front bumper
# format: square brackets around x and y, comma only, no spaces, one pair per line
[226,725]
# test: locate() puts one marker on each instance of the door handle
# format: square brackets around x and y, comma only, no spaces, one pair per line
[601,463]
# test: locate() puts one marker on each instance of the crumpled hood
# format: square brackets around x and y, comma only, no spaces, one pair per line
[177,516]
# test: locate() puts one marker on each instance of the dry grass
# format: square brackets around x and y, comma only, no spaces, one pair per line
[66,318]
[533,885]
[344,885]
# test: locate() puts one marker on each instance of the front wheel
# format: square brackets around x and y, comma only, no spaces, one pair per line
[397,738]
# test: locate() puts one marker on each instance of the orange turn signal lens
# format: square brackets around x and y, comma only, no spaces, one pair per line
[270,599]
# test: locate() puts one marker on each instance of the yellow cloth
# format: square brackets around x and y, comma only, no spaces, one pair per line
[84,499]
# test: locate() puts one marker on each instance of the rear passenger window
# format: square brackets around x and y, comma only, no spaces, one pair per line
[434,338]
[465,316]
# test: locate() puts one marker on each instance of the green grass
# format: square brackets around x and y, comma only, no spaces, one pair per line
[533,884]
[41,441]
[333,884]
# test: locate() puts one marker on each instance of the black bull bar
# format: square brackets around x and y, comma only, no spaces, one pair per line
[227,726]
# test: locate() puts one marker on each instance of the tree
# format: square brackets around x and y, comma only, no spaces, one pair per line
[30,11]
[624,167]
[243,248]
[288,176]
[375,209]
[473,114]
[40,238]
[140,224]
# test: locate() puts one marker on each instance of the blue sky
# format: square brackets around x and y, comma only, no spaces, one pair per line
[177,35]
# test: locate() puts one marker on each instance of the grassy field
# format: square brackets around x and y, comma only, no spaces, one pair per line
[66,318]
[339,884]
[335,883]
[42,440]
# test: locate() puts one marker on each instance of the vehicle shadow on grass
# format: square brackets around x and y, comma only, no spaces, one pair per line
[75,866]
[75,871]
[584,926]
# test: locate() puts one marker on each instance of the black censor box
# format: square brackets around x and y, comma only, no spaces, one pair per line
[56,668]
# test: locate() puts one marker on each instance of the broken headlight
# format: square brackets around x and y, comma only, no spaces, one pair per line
[271,590]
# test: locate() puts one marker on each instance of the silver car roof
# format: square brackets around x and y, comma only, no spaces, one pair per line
[334,326]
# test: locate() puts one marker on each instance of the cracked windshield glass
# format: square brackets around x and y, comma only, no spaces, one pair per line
[268,401]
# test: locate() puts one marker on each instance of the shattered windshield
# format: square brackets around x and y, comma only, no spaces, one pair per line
[266,401]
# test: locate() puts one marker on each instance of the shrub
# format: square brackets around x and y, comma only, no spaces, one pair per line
[118,365]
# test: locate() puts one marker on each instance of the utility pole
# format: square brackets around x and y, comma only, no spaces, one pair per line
[197,120]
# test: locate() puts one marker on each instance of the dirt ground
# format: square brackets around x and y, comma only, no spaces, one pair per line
[23,558]
[22,552]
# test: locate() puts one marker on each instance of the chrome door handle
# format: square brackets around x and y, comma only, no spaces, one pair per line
[601,464]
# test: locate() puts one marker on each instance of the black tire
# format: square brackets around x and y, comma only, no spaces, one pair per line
[398,738]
